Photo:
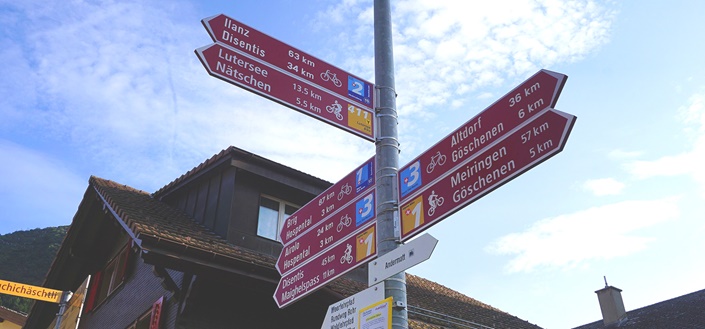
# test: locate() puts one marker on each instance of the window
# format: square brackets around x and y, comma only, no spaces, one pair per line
[108,280]
[272,213]
[151,318]
[142,322]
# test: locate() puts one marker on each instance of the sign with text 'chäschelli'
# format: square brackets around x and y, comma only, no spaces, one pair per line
[28,291]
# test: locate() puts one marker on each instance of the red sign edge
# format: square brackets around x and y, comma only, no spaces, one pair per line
[362,227]
[323,285]
[201,57]
[561,80]
[564,139]
[330,188]
[206,24]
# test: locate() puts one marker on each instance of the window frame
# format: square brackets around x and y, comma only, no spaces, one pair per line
[281,215]
[115,271]
[152,317]
[145,317]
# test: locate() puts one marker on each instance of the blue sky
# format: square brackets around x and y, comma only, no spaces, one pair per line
[113,89]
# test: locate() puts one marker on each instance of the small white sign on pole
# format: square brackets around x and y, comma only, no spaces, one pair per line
[344,314]
[401,259]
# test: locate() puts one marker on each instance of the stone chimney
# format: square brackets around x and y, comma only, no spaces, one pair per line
[611,304]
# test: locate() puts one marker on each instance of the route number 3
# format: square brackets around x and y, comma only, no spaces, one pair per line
[410,178]
[364,207]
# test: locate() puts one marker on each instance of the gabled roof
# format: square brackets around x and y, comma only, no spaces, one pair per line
[225,156]
[170,237]
[431,305]
[151,221]
[684,312]
[437,304]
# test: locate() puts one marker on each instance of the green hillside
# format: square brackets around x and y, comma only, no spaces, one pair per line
[25,257]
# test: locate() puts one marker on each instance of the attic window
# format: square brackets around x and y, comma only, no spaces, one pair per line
[272,213]
[151,318]
[105,282]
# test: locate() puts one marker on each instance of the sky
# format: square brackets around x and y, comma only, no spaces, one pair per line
[114,89]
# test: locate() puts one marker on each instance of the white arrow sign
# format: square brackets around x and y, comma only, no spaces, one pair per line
[401,259]
[343,314]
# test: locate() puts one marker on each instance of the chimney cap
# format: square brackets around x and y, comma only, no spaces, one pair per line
[611,304]
[608,288]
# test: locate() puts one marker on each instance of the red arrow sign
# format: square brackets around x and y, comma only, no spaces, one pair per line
[239,36]
[350,188]
[252,75]
[351,253]
[329,232]
[539,139]
[513,109]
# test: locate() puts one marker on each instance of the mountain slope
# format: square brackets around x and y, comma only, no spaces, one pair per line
[25,257]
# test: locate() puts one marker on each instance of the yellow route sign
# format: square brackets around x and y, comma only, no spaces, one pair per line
[27,291]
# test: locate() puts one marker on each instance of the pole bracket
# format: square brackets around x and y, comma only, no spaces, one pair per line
[399,304]
[386,87]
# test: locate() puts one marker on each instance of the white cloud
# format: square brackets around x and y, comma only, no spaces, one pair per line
[622,154]
[688,163]
[694,111]
[571,240]
[119,83]
[671,165]
[604,186]
[462,46]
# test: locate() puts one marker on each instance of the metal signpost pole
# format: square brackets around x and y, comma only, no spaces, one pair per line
[65,296]
[387,155]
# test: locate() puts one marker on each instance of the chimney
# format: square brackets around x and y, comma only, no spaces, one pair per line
[611,304]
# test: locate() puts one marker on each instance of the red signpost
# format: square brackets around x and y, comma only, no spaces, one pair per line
[258,45]
[537,140]
[336,232]
[346,256]
[350,188]
[270,68]
[329,232]
[513,109]
[511,136]
[231,66]
[329,236]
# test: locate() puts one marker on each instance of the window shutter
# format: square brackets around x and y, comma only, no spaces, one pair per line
[93,291]
[156,313]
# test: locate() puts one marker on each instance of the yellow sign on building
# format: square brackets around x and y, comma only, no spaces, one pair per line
[27,291]
[74,307]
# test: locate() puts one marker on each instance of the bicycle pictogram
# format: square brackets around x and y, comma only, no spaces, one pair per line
[344,190]
[347,258]
[337,109]
[436,160]
[330,76]
[434,201]
[345,221]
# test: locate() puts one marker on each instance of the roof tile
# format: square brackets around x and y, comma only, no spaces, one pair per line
[146,216]
[684,312]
